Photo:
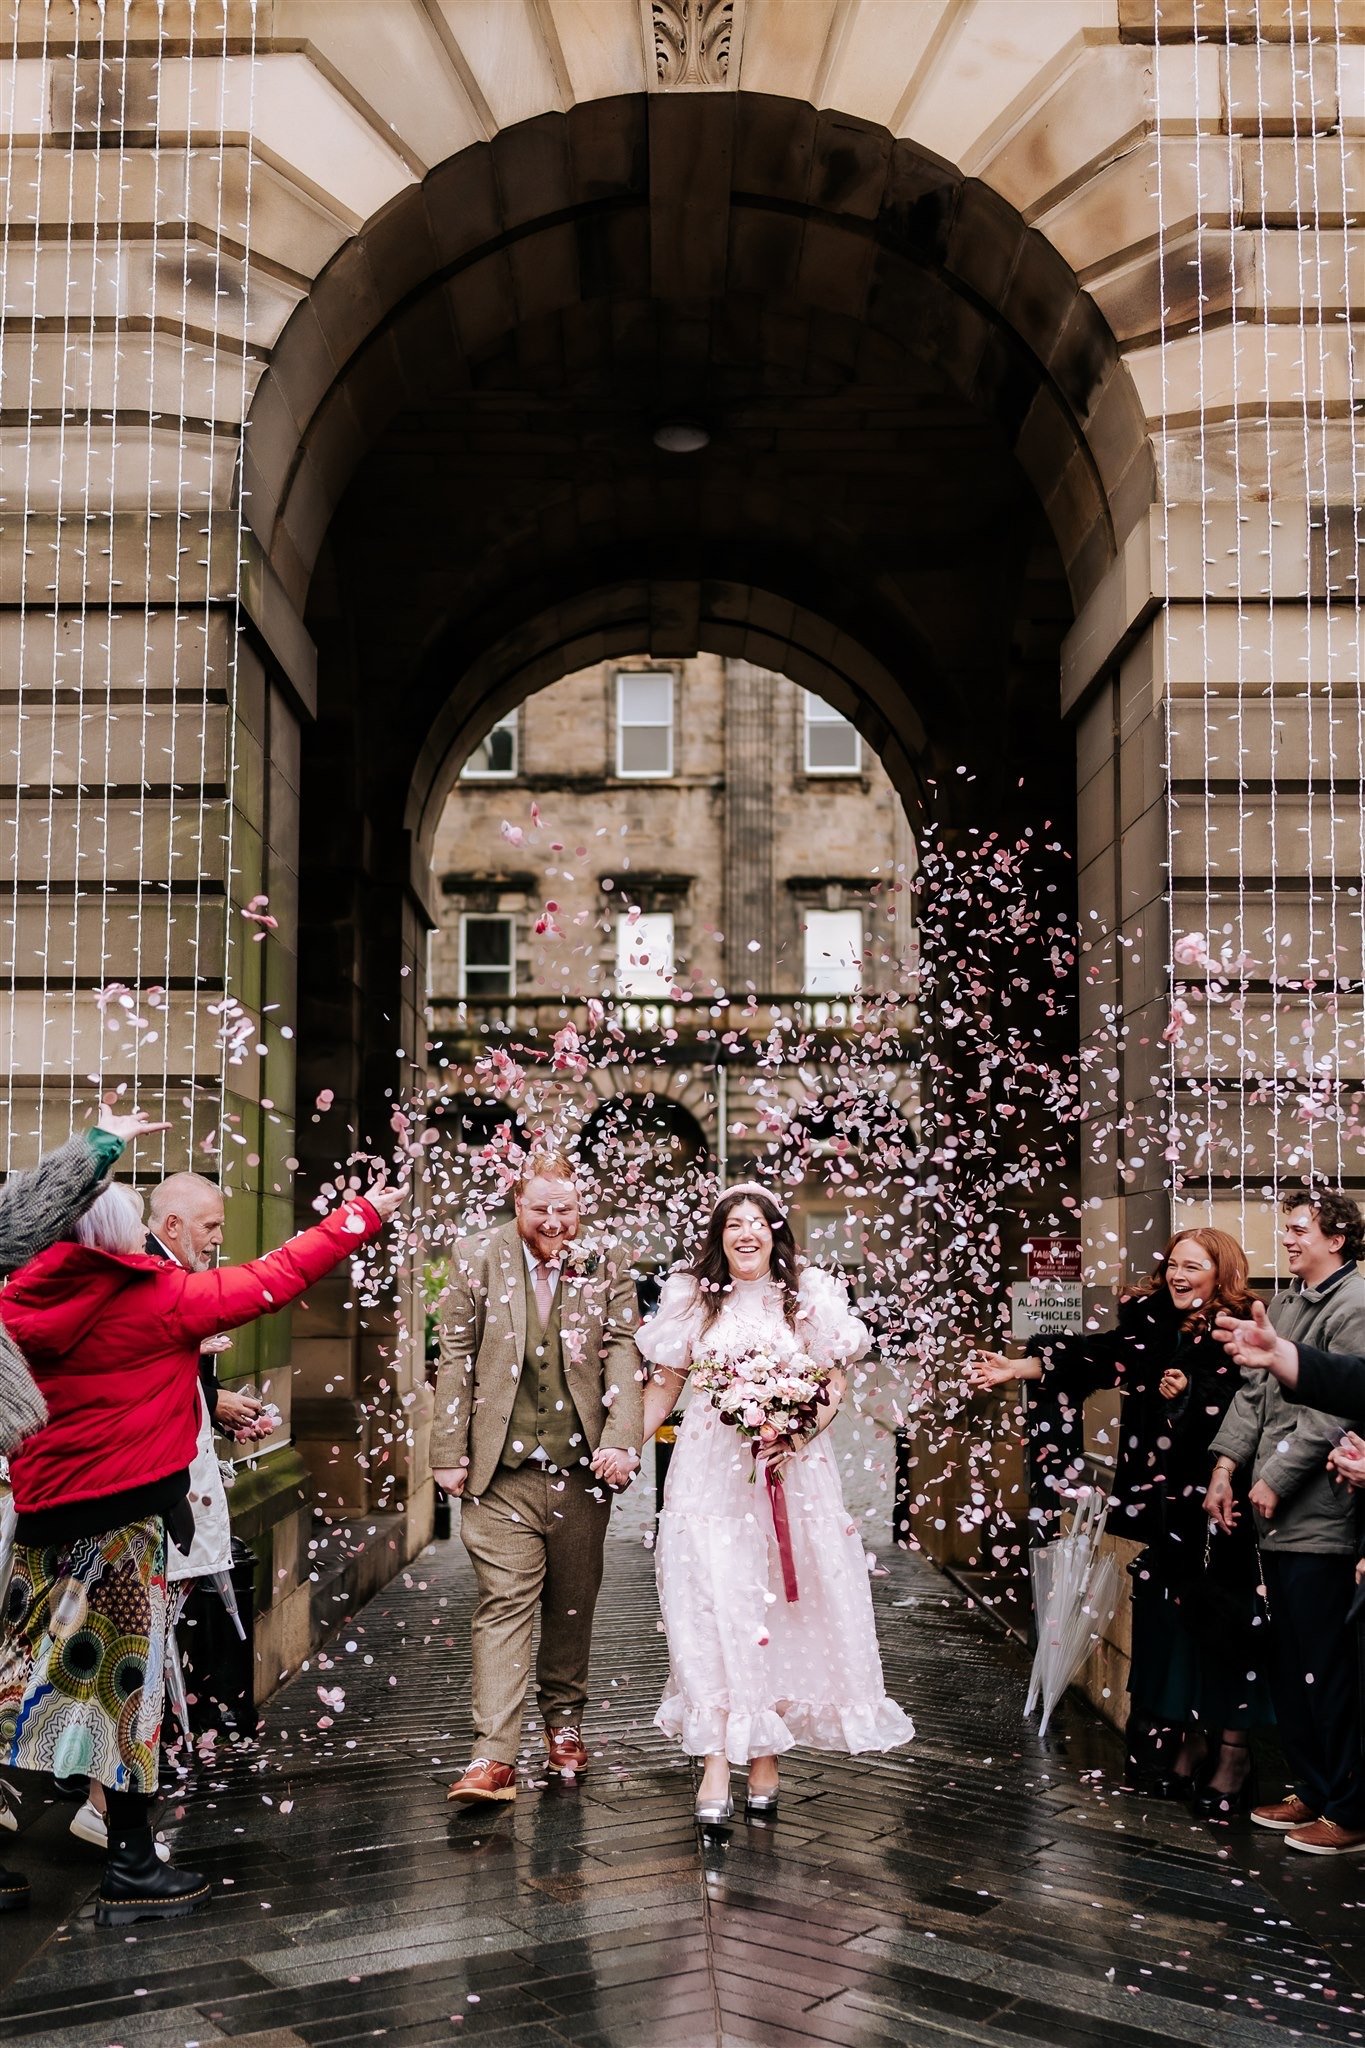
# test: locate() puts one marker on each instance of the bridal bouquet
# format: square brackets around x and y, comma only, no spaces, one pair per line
[763,1395]
[768,1397]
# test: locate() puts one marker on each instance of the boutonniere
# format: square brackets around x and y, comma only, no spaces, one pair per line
[581,1262]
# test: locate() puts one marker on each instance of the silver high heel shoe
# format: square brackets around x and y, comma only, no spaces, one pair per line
[711,1811]
[762,1804]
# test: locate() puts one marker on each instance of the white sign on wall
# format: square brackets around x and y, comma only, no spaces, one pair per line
[1046,1308]
[1048,1303]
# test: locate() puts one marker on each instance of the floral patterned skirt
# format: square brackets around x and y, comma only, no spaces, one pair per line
[82,1657]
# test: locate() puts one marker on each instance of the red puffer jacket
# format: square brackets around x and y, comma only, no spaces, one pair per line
[112,1338]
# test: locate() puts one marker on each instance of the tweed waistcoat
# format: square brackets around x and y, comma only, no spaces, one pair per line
[543,1412]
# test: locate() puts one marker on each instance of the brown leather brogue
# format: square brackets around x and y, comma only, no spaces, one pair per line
[568,1757]
[485,1780]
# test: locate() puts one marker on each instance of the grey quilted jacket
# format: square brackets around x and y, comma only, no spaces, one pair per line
[1286,1443]
[36,1208]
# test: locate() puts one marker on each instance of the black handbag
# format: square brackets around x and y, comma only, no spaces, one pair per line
[1225,1600]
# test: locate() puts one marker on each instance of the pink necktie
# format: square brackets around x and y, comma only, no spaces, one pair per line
[544,1293]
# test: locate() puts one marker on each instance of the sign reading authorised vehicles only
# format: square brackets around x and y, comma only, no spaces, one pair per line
[1045,1308]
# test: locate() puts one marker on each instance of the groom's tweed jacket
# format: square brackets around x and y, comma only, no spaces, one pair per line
[36,1208]
[483,1341]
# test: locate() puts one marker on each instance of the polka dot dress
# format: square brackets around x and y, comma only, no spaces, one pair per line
[752,1674]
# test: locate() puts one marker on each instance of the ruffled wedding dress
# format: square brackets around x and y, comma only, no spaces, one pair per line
[751,1674]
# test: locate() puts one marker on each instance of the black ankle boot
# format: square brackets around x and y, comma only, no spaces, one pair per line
[14,1891]
[136,1886]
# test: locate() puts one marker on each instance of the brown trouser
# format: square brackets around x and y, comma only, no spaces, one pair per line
[535,1540]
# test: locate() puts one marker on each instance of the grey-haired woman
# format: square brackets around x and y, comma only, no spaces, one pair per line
[38,1206]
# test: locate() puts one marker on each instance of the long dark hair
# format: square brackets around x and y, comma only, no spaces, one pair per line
[1231,1288]
[711,1269]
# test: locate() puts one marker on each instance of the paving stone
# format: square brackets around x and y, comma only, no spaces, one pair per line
[979,1887]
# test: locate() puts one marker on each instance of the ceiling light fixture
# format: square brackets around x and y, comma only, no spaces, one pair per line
[681,437]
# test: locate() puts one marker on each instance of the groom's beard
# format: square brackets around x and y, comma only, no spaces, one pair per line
[547,1247]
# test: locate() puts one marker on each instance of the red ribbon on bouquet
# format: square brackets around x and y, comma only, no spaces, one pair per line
[782,1529]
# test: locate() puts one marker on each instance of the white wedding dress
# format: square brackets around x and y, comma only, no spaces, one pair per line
[749,1673]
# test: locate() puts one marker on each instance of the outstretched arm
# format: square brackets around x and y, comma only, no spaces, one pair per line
[232,1295]
[991,1369]
[1330,1379]
[1254,1345]
[40,1204]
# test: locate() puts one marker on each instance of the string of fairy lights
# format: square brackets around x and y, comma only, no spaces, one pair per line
[1264,1092]
[123,406]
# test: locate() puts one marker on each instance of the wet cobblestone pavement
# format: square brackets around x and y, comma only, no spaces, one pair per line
[978,1887]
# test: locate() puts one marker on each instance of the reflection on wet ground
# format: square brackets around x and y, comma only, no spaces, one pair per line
[977,1887]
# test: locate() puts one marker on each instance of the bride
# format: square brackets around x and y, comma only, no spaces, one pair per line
[753,1672]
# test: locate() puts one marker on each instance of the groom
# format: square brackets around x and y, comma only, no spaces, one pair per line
[538,1412]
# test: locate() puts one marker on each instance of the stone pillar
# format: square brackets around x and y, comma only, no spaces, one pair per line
[364,919]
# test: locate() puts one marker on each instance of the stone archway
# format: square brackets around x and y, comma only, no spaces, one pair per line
[925,455]
[254,203]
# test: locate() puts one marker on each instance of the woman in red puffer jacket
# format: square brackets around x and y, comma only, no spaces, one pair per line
[112,1338]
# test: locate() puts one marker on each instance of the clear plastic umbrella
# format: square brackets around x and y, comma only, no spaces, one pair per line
[223,1581]
[9,1523]
[176,1693]
[1075,1592]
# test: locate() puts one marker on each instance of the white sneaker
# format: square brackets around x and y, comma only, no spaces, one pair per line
[90,1825]
[9,1817]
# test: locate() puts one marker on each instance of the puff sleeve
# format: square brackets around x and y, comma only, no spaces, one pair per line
[668,1336]
[826,1325]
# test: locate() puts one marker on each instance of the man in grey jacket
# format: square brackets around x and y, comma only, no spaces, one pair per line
[1306,1525]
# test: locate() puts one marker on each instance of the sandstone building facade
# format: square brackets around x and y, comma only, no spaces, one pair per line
[338,336]
[701,848]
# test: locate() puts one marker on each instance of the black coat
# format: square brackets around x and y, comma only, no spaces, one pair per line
[1334,1380]
[1162,1467]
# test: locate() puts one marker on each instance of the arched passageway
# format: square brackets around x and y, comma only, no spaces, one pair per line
[922,452]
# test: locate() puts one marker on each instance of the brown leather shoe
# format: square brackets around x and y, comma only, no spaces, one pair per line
[568,1757]
[485,1780]
[1327,1838]
[1284,1815]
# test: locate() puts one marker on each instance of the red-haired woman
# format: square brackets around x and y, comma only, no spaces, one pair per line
[1197,1681]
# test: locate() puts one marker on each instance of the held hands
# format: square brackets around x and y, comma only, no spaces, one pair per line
[136,1124]
[1172,1384]
[618,1468]
[776,1450]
